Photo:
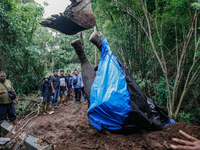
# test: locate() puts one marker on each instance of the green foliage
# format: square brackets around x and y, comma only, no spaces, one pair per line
[185,117]
[196,5]
[195,115]
[144,84]
[20,59]
[27,104]
[22,109]
[161,93]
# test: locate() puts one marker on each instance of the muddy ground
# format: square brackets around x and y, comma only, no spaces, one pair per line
[69,129]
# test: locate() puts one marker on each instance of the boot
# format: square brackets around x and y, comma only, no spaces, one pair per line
[96,39]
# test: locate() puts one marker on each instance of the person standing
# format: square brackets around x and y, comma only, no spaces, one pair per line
[63,87]
[51,88]
[46,92]
[7,108]
[69,85]
[55,85]
[76,85]
[82,89]
[73,74]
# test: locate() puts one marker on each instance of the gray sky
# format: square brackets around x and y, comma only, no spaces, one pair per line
[55,6]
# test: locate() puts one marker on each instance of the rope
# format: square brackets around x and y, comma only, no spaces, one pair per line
[81,35]
[97,28]
[74,5]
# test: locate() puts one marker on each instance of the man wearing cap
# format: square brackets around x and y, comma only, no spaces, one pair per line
[63,87]
[76,85]
[7,108]
[55,85]
[46,94]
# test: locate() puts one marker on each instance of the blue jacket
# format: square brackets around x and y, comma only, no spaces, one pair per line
[78,84]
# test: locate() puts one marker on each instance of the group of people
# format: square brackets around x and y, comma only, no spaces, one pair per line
[63,86]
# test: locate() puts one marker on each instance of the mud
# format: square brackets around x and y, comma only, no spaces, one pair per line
[69,129]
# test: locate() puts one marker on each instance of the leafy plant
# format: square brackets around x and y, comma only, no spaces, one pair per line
[185,117]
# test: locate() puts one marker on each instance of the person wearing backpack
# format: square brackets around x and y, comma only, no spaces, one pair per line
[76,85]
[7,108]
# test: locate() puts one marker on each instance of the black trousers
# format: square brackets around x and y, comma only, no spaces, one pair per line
[7,110]
[77,94]
[69,92]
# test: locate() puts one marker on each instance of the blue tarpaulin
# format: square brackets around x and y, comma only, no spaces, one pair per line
[109,97]
[170,122]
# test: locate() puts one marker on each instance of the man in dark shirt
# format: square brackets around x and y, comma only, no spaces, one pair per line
[63,87]
[69,85]
[46,94]
[51,88]
[55,85]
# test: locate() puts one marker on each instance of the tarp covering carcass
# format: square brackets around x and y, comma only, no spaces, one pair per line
[116,100]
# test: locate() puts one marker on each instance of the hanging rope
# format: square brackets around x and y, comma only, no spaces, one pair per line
[81,35]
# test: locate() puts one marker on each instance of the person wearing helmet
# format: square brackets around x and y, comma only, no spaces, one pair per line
[46,94]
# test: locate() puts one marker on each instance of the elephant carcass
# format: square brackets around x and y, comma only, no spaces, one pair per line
[77,17]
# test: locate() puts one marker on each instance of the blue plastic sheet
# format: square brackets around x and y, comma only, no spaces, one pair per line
[109,97]
[170,121]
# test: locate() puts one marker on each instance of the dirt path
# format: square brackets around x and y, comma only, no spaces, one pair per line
[69,129]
